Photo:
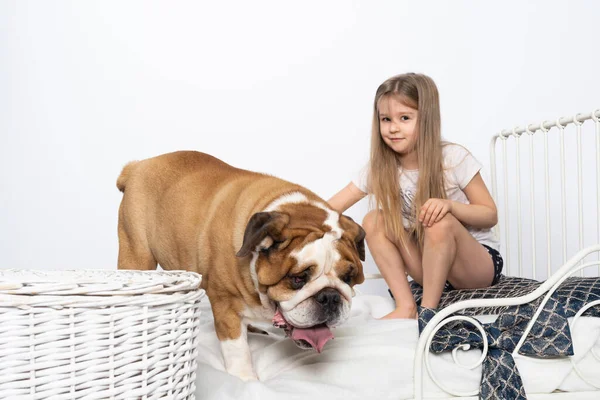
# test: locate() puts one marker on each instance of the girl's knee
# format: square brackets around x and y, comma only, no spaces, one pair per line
[373,222]
[443,229]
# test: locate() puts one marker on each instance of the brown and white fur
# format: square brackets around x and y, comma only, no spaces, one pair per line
[262,244]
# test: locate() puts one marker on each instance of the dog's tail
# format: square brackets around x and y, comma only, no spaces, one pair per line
[122,179]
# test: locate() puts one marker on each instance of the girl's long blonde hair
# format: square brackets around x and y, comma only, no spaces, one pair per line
[419,92]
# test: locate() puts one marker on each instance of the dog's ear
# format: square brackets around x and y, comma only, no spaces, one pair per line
[262,225]
[356,232]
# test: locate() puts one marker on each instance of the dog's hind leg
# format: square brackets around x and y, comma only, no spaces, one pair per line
[134,252]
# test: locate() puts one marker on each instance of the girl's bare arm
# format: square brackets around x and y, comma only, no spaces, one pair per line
[346,198]
[482,212]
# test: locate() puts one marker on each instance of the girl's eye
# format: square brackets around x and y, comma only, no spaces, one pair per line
[404,118]
[385,119]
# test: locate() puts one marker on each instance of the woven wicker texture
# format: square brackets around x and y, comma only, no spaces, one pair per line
[93,334]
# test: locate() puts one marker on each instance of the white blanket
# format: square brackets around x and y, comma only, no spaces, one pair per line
[370,359]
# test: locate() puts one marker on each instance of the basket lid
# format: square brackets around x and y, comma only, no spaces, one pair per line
[96,282]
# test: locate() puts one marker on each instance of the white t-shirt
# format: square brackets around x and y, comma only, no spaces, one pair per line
[459,168]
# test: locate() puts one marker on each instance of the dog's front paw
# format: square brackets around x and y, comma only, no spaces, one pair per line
[248,377]
[238,361]
[244,373]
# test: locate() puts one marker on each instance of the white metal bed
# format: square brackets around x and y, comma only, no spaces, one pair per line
[530,212]
[374,359]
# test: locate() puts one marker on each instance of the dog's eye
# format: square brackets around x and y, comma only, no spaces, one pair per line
[349,275]
[297,281]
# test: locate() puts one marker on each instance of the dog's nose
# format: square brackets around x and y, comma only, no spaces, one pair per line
[328,298]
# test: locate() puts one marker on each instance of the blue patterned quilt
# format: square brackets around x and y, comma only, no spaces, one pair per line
[549,338]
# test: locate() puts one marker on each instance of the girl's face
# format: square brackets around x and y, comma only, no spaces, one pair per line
[398,125]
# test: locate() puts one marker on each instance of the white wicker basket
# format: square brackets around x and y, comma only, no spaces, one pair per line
[94,334]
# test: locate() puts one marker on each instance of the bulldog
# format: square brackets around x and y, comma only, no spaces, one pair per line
[267,249]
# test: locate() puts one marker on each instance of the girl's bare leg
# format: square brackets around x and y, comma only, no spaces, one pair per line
[394,263]
[451,254]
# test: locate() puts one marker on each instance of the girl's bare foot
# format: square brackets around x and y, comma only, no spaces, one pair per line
[410,313]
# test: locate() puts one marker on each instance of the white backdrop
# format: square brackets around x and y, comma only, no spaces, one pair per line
[279,87]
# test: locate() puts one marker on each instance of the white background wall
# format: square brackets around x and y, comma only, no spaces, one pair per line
[279,87]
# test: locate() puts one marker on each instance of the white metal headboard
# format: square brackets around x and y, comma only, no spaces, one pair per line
[549,217]
[548,196]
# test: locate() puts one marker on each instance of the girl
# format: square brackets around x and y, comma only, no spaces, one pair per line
[433,214]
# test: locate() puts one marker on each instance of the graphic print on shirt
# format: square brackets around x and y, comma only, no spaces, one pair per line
[408,197]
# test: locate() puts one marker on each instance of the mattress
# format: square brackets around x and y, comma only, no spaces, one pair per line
[373,359]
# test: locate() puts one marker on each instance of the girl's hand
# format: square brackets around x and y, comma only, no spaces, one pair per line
[433,210]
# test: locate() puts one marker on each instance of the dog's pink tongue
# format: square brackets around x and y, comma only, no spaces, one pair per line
[316,336]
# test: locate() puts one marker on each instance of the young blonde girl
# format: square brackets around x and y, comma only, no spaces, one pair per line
[433,212]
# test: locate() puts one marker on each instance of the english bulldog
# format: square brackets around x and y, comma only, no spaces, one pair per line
[267,249]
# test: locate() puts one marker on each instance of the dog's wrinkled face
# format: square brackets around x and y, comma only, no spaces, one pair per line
[306,258]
